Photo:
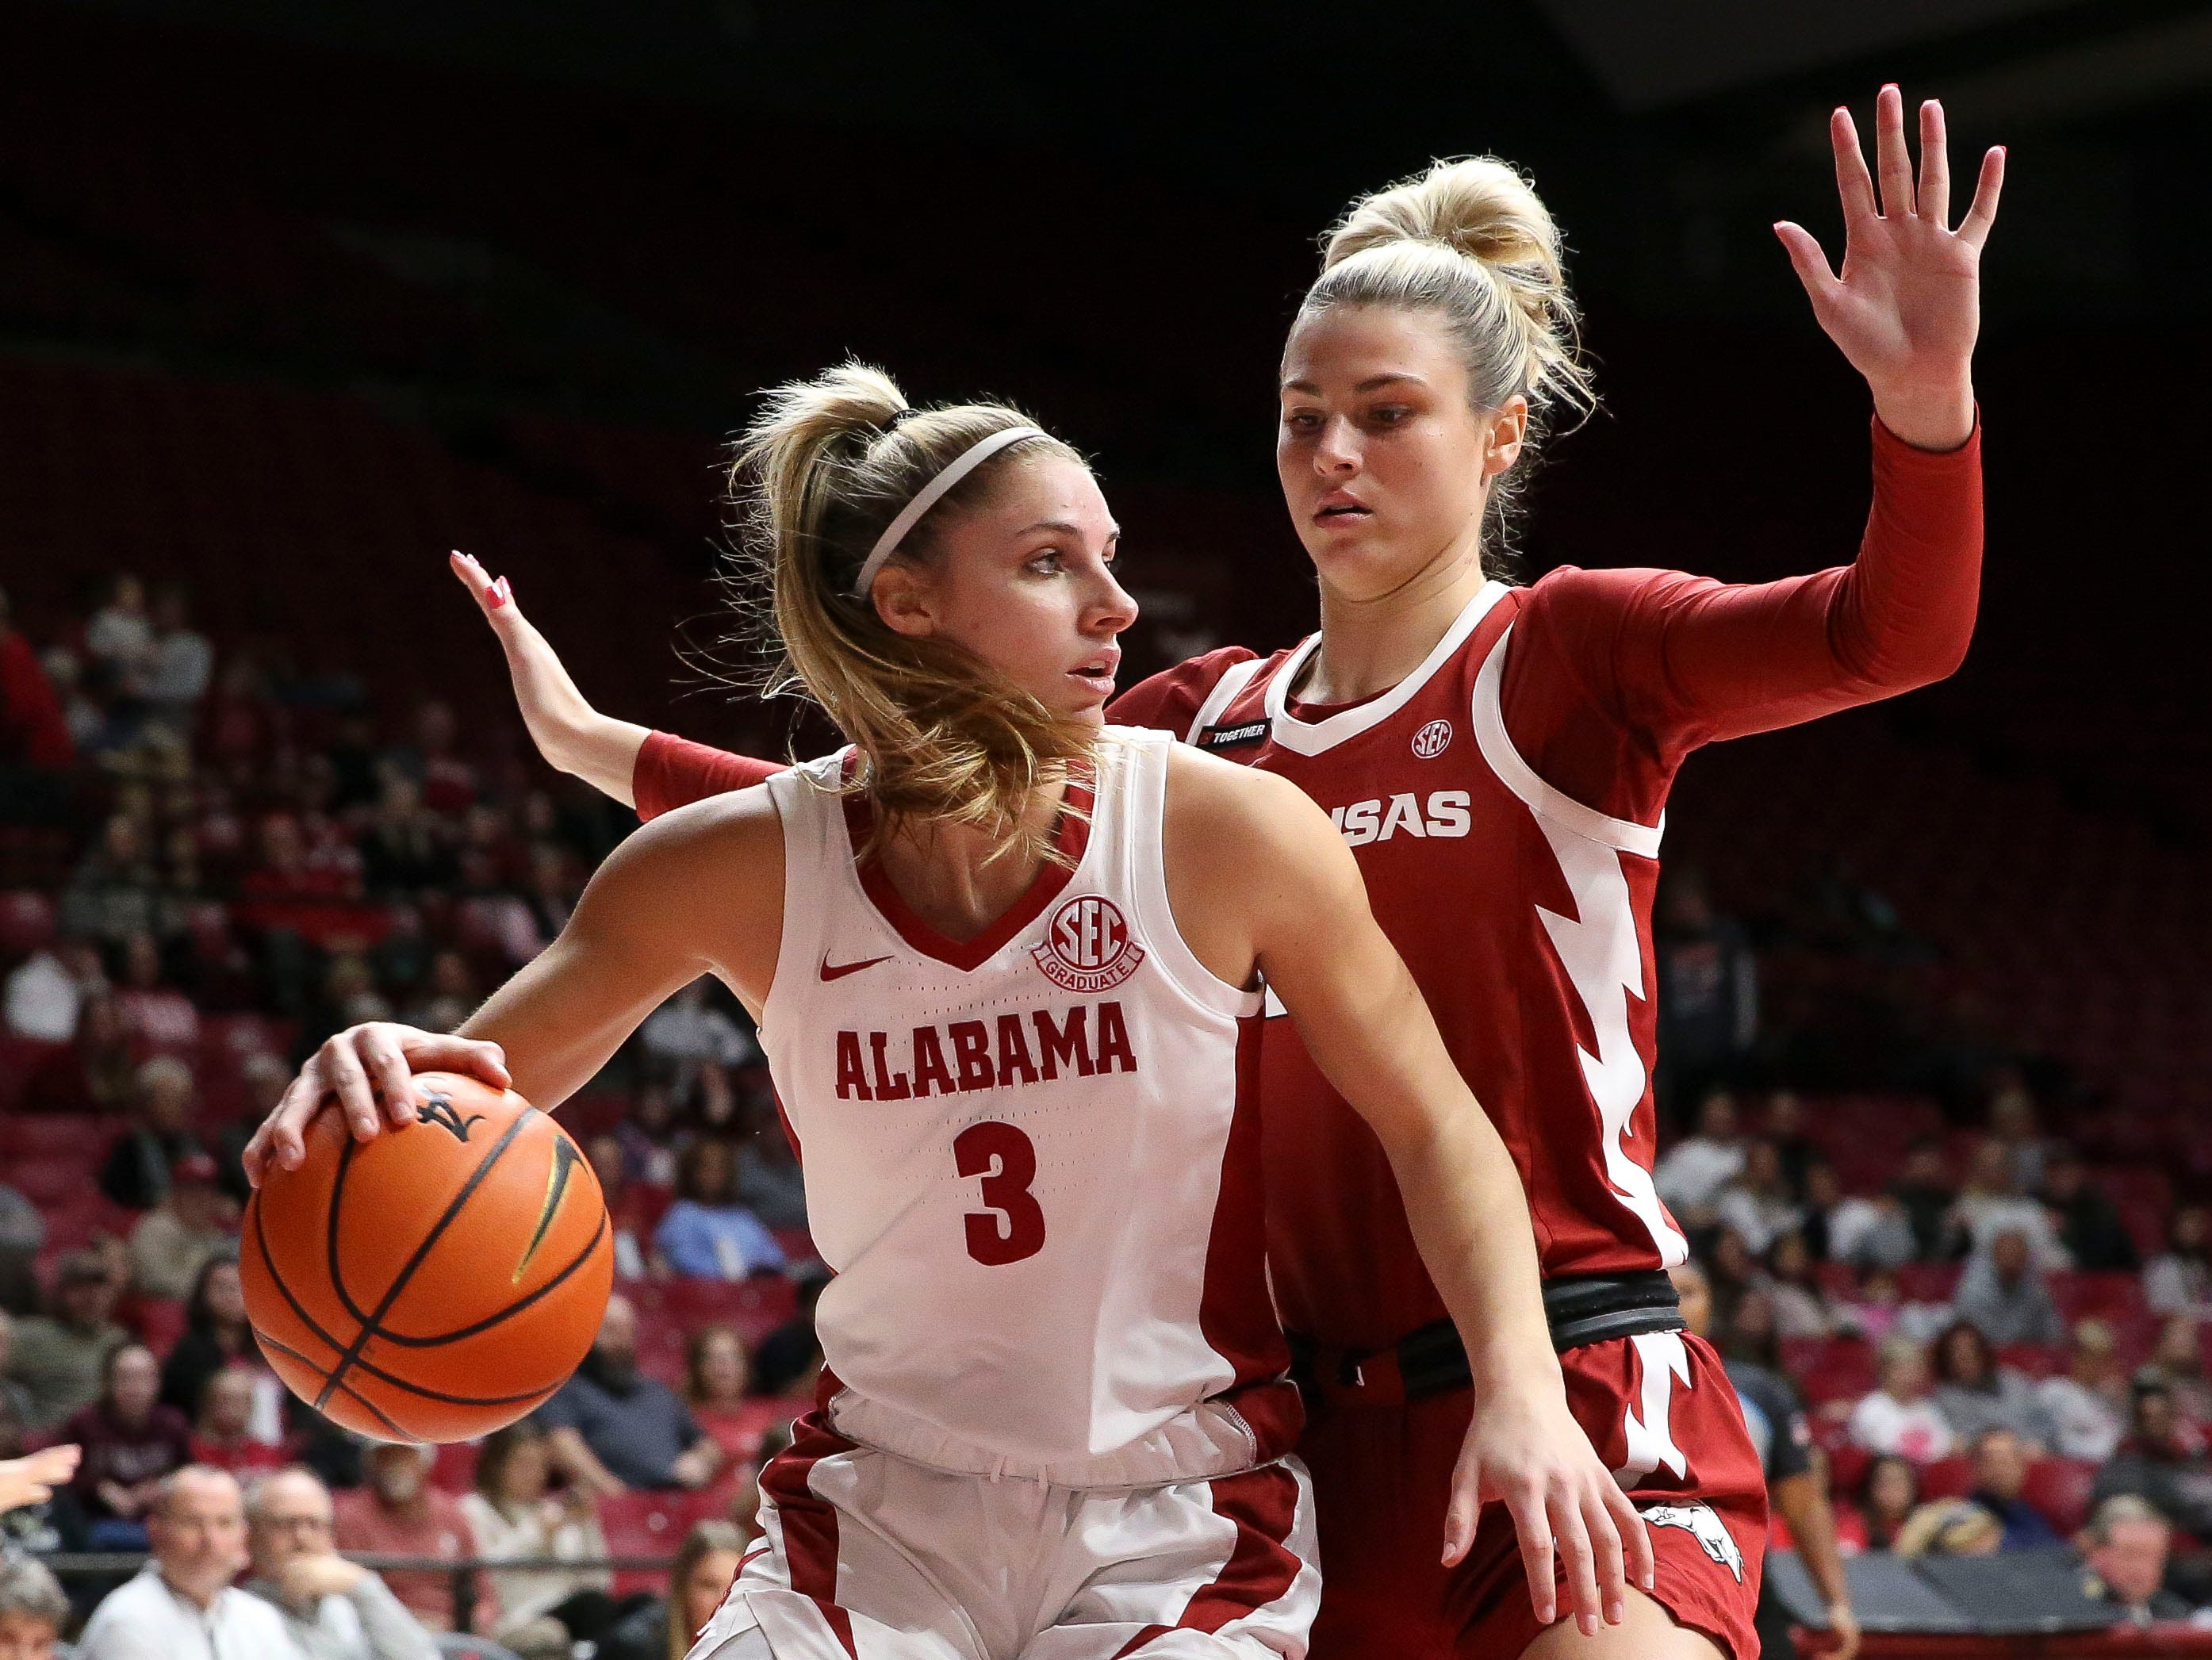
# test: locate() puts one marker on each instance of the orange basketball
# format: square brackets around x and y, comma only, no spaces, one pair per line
[437,1282]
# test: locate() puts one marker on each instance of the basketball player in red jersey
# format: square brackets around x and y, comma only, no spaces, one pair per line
[1500,759]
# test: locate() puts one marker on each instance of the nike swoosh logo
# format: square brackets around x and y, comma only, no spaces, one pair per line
[839,971]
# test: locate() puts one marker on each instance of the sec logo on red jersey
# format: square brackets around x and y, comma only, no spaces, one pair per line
[1087,948]
[1432,740]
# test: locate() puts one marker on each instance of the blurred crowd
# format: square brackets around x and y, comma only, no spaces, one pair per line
[245,867]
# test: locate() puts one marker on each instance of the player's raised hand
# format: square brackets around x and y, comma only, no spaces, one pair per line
[32,1479]
[568,732]
[1525,1451]
[1907,306]
[366,1071]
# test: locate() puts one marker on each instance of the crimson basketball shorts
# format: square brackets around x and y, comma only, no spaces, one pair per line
[868,1556]
[1663,1415]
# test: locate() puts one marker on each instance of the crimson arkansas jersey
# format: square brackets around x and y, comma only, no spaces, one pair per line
[1523,916]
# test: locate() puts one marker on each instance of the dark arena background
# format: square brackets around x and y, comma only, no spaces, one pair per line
[293,299]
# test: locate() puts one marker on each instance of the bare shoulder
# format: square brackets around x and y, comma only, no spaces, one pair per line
[1208,797]
[733,838]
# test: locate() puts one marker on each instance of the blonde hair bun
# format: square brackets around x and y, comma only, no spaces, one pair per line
[1415,242]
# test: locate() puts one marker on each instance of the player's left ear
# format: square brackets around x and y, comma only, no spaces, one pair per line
[903,599]
[1504,429]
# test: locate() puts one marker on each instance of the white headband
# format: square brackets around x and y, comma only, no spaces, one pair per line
[928,496]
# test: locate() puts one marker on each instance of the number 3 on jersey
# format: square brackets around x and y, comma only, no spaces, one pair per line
[1013,1227]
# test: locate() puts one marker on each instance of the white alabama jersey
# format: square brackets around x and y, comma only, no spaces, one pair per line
[1032,1158]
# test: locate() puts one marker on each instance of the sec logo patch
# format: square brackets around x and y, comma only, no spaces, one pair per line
[1432,740]
[1087,947]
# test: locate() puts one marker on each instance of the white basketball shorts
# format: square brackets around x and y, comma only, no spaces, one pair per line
[869,1556]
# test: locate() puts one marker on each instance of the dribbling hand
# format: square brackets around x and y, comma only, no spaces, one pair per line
[367,1072]
[1906,308]
[1526,1452]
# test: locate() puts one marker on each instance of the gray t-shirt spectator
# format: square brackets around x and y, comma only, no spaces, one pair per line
[368,1623]
[2021,1312]
[637,1435]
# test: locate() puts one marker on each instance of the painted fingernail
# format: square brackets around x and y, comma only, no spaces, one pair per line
[497,595]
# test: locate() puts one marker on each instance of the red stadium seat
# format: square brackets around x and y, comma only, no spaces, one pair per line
[645,1524]
[2060,1488]
[27,924]
[19,1059]
[1946,1478]
[455,1467]
[1847,1467]
[2035,1360]
[1928,1282]
[159,1321]
[754,1307]
[1830,1368]
[50,1179]
[35,1134]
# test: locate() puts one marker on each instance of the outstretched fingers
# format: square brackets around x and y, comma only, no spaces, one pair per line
[1974,228]
[1807,259]
[1934,165]
[1854,185]
[492,593]
[1892,158]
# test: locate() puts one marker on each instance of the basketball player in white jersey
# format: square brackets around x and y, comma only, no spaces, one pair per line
[1006,962]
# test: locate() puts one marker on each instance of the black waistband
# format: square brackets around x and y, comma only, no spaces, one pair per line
[1580,1309]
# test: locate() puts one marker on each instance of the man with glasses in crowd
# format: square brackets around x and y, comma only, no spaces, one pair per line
[333,1608]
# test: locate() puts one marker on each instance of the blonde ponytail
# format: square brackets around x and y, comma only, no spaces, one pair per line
[1471,241]
[817,476]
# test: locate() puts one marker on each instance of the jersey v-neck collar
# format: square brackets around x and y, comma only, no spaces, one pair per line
[1305,736]
[1070,836]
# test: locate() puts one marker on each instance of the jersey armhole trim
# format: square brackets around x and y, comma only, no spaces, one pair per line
[793,793]
[1226,690]
[1538,797]
[1146,805]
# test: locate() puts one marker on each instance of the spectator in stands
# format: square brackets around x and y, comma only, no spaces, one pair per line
[1888,1492]
[2160,1461]
[1990,1205]
[2000,1462]
[1974,1393]
[717,1384]
[1901,1416]
[1757,1204]
[175,1241]
[2086,1405]
[13,1396]
[687,1035]
[116,888]
[1801,1308]
[1796,1474]
[2014,1128]
[1691,1174]
[698,1580]
[1873,1233]
[447,781]
[61,1357]
[120,637]
[182,1606]
[156,1015]
[136,1174]
[130,1441]
[1923,1190]
[604,1153]
[613,1428]
[334,1609]
[1821,1193]
[32,1610]
[223,1429]
[48,987]
[404,847]
[2178,1357]
[1708,980]
[34,735]
[770,1180]
[396,1512]
[96,1073]
[514,1516]
[789,1359]
[22,1232]
[449,997]
[39,1526]
[180,665]
[706,1234]
[2003,1295]
[216,1337]
[2088,1223]
[2178,1279]
[2126,1545]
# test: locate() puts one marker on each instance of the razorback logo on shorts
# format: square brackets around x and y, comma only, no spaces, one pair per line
[1087,947]
[1697,1519]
